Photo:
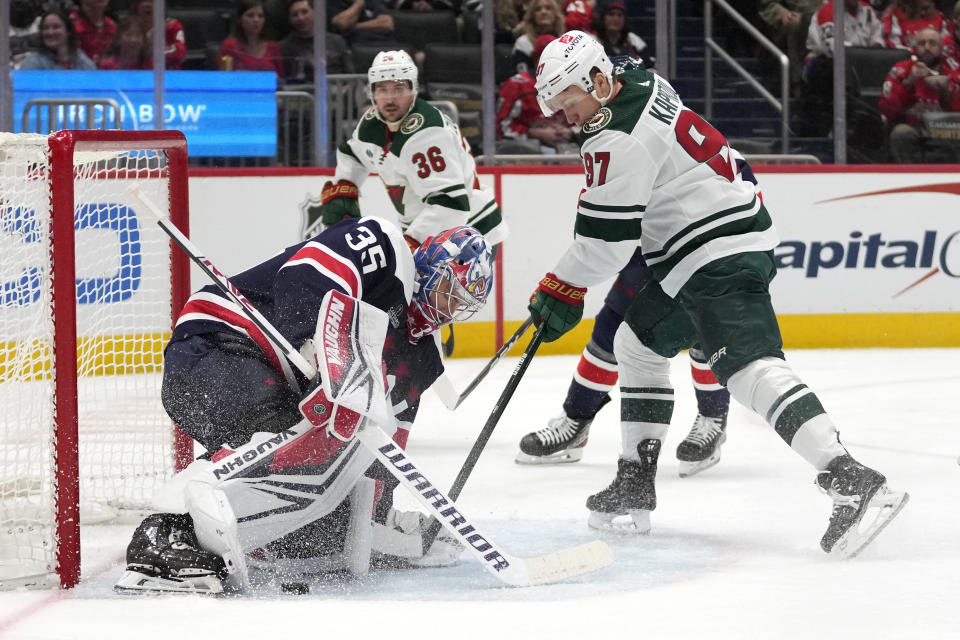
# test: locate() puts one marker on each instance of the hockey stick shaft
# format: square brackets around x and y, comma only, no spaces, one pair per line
[552,567]
[488,428]
[225,285]
[451,399]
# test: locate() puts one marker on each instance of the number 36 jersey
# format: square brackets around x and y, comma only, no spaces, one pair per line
[659,174]
[428,170]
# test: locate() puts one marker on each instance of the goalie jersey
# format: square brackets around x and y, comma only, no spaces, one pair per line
[659,175]
[428,170]
[366,258]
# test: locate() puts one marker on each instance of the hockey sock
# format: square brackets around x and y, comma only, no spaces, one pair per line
[646,396]
[771,388]
[713,400]
[589,390]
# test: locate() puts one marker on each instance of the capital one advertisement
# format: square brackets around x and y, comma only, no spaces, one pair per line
[220,113]
[865,242]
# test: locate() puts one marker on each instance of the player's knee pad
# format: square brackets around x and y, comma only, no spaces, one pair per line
[639,365]
[760,384]
[605,328]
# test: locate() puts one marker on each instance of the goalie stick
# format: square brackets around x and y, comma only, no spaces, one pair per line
[490,424]
[545,569]
[444,388]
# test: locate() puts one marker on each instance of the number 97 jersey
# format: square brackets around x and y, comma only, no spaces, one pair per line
[658,173]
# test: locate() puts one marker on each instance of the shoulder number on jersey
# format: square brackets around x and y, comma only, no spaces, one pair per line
[704,143]
[595,167]
[432,161]
[372,257]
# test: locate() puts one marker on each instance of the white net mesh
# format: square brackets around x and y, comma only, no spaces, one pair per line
[123,310]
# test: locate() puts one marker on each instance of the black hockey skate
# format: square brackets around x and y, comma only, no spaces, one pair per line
[562,440]
[632,493]
[862,505]
[700,450]
[164,555]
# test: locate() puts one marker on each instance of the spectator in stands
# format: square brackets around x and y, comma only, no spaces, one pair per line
[861,28]
[928,82]
[788,22]
[128,51]
[175,41]
[248,48]
[543,17]
[24,29]
[508,19]
[58,45]
[904,18]
[297,47]
[360,21]
[614,34]
[578,15]
[95,29]
[521,126]
[951,43]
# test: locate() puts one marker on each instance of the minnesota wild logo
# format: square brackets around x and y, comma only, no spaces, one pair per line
[370,114]
[598,121]
[412,123]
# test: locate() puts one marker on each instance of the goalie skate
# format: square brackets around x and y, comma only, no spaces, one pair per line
[700,450]
[562,440]
[862,506]
[164,556]
[632,494]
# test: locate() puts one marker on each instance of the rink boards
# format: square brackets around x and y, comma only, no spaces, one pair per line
[867,257]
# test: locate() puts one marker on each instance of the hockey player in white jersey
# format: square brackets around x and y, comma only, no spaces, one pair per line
[284,483]
[708,240]
[421,157]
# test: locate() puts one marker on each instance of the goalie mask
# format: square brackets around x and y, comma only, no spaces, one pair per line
[454,279]
[398,75]
[566,62]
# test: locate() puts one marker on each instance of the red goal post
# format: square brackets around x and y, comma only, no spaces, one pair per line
[87,302]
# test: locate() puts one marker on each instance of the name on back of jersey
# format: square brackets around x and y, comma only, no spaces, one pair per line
[665,104]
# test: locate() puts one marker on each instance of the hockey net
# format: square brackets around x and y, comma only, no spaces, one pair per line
[89,288]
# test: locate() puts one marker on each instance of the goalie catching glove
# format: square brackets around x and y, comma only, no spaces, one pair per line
[338,201]
[556,304]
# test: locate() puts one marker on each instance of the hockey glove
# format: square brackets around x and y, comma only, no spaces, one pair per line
[557,305]
[337,202]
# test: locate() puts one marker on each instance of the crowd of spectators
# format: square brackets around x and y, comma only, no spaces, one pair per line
[277,35]
[925,80]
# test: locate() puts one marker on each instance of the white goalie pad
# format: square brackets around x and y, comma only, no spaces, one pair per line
[349,341]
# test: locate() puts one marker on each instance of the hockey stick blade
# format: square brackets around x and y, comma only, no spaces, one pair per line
[448,394]
[517,572]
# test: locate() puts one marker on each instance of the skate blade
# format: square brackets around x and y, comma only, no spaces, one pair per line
[560,457]
[633,522]
[688,469]
[134,582]
[883,507]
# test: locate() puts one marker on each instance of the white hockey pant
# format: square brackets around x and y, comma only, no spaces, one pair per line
[646,395]
[770,387]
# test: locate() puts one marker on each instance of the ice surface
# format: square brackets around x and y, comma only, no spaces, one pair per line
[733,553]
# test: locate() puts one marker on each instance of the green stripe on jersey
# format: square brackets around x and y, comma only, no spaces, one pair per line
[630,208]
[606,229]
[760,221]
[487,219]
[457,203]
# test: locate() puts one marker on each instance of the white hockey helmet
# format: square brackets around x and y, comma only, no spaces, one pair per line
[567,61]
[392,65]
